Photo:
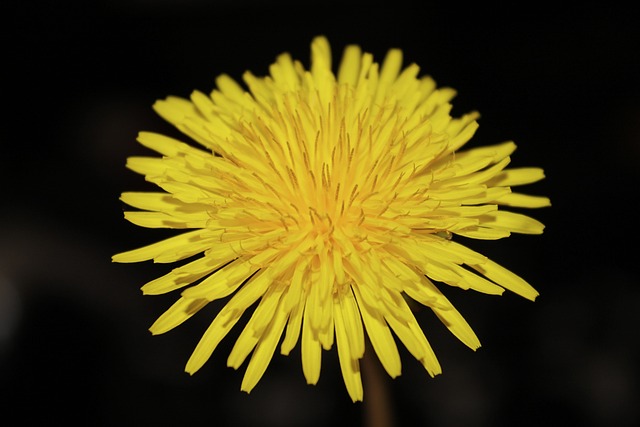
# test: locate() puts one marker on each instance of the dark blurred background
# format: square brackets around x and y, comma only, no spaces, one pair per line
[79,79]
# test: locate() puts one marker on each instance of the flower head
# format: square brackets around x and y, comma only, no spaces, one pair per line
[322,204]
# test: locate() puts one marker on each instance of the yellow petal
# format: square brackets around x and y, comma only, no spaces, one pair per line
[482,233]
[148,166]
[233,91]
[263,353]
[284,73]
[163,220]
[182,276]
[435,98]
[223,282]
[295,290]
[416,285]
[180,311]
[462,130]
[350,65]
[163,202]
[460,193]
[253,331]
[349,364]
[323,78]
[517,176]
[204,105]
[320,54]
[477,283]
[506,279]
[511,221]
[523,201]
[183,115]
[497,152]
[458,326]
[391,66]
[183,245]
[489,196]
[311,351]
[293,325]
[413,338]
[379,335]
[406,87]
[165,145]
[352,322]
[219,328]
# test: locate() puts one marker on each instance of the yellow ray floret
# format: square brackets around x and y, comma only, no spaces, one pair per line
[326,205]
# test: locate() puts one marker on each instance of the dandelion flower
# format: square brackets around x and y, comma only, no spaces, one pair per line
[325,204]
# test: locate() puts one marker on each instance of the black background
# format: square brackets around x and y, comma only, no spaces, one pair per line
[78,83]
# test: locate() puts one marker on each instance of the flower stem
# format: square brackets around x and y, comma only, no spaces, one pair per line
[377,405]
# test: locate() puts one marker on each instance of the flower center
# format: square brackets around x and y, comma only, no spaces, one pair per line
[321,222]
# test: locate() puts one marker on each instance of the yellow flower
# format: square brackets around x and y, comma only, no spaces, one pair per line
[328,202]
